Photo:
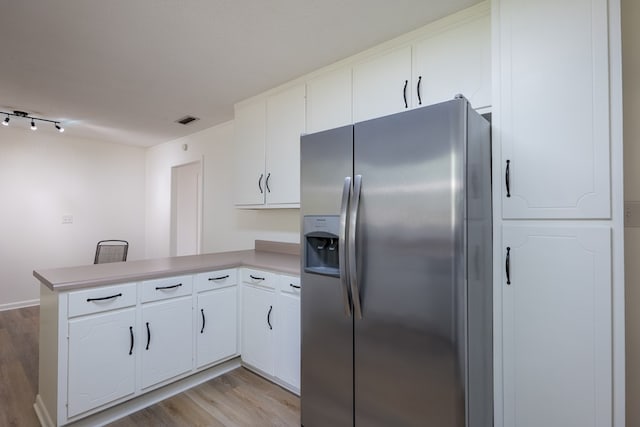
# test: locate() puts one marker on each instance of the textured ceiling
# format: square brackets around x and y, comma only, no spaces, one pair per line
[124,71]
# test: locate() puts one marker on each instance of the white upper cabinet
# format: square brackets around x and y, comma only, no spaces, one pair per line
[454,61]
[329,100]
[382,85]
[285,124]
[267,152]
[249,142]
[553,127]
[557,323]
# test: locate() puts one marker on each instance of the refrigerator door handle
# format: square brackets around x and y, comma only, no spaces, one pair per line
[353,270]
[342,245]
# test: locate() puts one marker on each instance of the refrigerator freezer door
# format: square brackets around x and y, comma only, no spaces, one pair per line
[409,346]
[327,328]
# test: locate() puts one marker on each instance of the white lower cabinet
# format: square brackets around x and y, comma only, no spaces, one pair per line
[217,325]
[556,308]
[167,336]
[257,327]
[287,331]
[101,366]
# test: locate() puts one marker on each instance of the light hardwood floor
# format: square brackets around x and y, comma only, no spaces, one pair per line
[238,398]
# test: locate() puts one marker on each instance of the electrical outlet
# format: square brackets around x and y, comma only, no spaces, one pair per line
[67,219]
[632,214]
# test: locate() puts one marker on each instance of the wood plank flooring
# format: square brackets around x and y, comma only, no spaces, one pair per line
[238,398]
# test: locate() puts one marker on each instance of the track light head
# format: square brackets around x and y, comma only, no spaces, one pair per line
[33,125]
[6,121]
[60,128]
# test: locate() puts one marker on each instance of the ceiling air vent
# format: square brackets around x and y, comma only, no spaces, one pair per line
[187,120]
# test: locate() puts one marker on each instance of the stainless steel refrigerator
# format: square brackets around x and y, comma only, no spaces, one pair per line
[396,271]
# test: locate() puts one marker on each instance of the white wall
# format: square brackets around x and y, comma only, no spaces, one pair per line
[631,90]
[224,227]
[44,176]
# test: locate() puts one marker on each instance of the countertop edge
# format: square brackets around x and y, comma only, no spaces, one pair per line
[274,262]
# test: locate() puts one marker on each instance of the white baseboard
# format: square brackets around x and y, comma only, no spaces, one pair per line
[19,304]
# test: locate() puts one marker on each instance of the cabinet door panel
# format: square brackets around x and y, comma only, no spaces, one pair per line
[249,142]
[257,335]
[217,325]
[378,85]
[557,326]
[329,101]
[554,107]
[169,338]
[101,368]
[457,60]
[285,124]
[287,329]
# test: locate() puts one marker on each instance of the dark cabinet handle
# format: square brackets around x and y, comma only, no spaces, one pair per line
[418,88]
[266,182]
[160,288]
[507,265]
[404,93]
[104,298]
[269,317]
[506,179]
[203,320]
[131,335]
[294,286]
[256,277]
[226,276]
[260,183]
[148,336]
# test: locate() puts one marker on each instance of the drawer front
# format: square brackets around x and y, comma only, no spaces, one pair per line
[100,299]
[290,285]
[259,278]
[216,279]
[169,287]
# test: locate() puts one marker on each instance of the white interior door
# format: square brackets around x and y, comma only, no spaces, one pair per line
[185,209]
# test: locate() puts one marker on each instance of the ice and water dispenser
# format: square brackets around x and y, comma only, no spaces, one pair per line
[321,244]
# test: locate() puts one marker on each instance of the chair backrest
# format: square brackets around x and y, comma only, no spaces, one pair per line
[111,251]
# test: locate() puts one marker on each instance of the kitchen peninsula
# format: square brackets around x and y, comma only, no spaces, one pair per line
[115,338]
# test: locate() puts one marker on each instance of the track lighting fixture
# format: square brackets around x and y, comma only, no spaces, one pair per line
[24,115]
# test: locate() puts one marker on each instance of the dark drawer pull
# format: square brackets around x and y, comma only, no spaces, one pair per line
[256,277]
[294,286]
[203,320]
[269,317]
[404,93]
[226,276]
[508,265]
[104,298]
[507,179]
[159,288]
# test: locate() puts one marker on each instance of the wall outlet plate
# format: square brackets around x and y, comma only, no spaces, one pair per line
[67,219]
[632,214]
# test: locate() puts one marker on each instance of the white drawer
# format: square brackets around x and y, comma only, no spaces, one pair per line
[168,287]
[216,279]
[259,278]
[100,299]
[290,284]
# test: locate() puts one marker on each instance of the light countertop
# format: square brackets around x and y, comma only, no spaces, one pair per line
[87,276]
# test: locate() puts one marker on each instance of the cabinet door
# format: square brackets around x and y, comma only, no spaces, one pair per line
[382,86]
[454,61]
[285,124]
[557,326]
[217,325]
[257,328]
[329,100]
[287,332]
[249,142]
[166,339]
[101,359]
[553,121]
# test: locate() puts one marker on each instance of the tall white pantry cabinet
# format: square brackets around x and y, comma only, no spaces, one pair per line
[558,226]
